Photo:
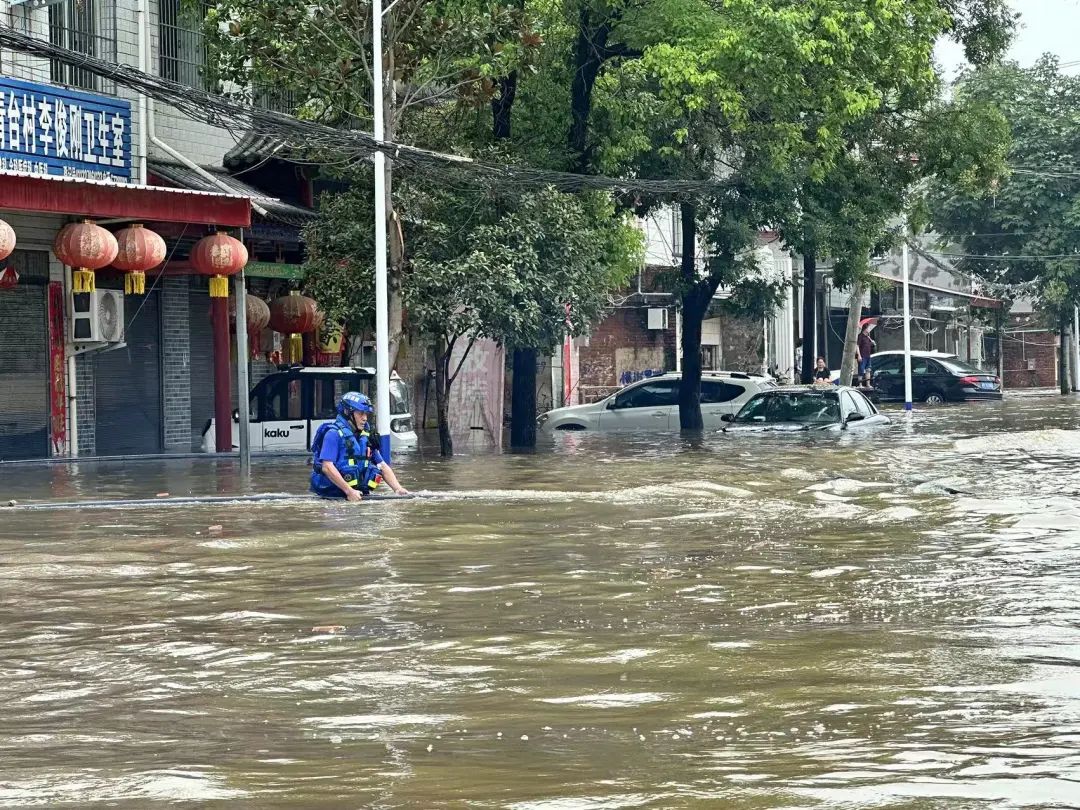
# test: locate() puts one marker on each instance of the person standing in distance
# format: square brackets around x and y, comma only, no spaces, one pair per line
[345,461]
[865,348]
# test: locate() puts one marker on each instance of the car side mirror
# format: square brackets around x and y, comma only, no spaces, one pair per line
[236,414]
[727,417]
[610,405]
[856,417]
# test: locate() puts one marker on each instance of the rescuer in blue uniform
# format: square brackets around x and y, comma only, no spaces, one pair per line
[345,462]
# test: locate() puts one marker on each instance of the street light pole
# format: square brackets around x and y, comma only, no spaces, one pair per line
[382,306]
[907,330]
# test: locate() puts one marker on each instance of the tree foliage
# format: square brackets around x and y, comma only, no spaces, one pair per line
[1035,210]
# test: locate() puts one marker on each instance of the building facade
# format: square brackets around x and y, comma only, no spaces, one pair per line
[76,146]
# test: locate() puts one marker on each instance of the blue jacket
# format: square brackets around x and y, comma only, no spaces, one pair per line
[353,454]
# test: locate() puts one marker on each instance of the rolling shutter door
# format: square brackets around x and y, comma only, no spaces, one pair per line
[128,384]
[201,364]
[24,360]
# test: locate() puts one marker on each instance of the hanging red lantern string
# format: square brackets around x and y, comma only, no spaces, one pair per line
[139,250]
[294,315]
[85,247]
[258,316]
[7,240]
[219,256]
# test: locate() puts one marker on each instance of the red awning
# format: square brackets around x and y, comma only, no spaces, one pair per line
[102,200]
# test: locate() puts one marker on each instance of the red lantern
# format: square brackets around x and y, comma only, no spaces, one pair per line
[7,240]
[258,316]
[9,278]
[85,247]
[219,256]
[294,315]
[140,249]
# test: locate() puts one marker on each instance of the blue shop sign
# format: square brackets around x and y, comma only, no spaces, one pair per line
[67,133]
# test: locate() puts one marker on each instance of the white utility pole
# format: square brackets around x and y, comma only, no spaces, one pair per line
[1075,349]
[382,305]
[907,329]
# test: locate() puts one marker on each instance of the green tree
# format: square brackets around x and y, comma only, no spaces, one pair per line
[757,99]
[440,56]
[1028,224]
[481,266]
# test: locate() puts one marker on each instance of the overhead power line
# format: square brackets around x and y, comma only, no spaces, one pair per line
[328,145]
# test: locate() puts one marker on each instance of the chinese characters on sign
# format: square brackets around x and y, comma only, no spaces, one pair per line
[61,132]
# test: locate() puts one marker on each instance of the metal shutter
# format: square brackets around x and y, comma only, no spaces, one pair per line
[24,360]
[201,363]
[127,384]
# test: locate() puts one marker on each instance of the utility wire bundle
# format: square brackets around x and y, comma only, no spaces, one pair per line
[333,145]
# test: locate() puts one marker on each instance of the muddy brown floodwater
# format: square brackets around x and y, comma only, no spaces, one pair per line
[760,622]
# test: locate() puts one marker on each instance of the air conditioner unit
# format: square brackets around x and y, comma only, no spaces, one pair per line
[97,317]
[658,318]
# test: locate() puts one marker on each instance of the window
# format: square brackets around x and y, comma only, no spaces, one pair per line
[806,409]
[182,48]
[921,365]
[280,400]
[847,404]
[85,26]
[710,358]
[714,392]
[886,365]
[649,395]
[864,406]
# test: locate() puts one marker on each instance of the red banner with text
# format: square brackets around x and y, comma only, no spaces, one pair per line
[57,371]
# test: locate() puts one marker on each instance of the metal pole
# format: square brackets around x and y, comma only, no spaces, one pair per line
[382,305]
[678,340]
[1076,348]
[242,353]
[907,332]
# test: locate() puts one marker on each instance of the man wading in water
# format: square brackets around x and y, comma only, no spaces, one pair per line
[345,459]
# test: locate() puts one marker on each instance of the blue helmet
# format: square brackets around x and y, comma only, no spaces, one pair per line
[352,402]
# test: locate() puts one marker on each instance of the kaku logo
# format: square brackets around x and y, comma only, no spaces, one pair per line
[278,433]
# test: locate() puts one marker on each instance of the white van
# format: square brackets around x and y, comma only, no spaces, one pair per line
[287,408]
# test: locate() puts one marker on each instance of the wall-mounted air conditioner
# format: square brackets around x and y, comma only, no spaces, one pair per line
[658,318]
[97,317]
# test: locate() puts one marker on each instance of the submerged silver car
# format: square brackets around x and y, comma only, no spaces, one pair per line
[806,407]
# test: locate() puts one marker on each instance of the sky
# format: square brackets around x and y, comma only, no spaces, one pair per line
[1045,26]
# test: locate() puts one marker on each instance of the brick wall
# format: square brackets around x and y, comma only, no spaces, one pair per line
[1022,349]
[621,345]
[176,363]
[85,404]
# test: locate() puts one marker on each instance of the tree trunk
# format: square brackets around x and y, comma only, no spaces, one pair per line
[442,396]
[523,399]
[1001,349]
[502,105]
[695,303]
[588,59]
[694,307]
[851,334]
[809,315]
[1064,361]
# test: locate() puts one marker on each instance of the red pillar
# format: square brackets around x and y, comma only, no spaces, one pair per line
[219,319]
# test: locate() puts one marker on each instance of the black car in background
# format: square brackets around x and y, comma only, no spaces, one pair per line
[936,378]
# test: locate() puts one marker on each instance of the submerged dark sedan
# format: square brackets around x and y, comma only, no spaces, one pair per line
[806,407]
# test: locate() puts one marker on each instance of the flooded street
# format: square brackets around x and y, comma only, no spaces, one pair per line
[613,622]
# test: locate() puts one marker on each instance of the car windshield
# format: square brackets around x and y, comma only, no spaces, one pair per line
[807,408]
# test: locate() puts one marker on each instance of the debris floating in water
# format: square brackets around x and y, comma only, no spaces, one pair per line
[328,628]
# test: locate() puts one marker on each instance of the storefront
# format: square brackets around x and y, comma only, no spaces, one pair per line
[65,156]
